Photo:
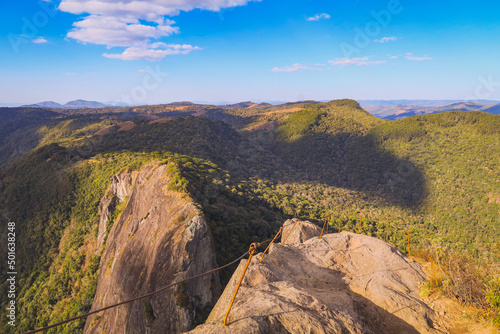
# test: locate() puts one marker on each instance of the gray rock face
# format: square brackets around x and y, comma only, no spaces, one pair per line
[159,238]
[122,184]
[342,283]
[106,208]
[119,190]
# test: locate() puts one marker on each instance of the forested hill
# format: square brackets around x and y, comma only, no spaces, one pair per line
[418,166]
[248,169]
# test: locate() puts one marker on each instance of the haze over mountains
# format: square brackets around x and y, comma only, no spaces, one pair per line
[75,104]
[395,112]
[421,103]
[385,109]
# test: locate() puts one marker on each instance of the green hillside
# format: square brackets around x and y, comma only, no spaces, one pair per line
[459,154]
[437,176]
[19,130]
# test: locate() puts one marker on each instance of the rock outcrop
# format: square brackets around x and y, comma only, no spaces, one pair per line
[159,237]
[341,283]
[297,231]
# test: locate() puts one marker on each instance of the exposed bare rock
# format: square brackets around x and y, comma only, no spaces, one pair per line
[297,231]
[106,208]
[122,184]
[119,190]
[342,283]
[159,238]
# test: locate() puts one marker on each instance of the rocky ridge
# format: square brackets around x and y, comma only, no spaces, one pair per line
[159,238]
[341,283]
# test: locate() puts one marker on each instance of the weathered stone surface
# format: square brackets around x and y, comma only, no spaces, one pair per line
[119,190]
[122,184]
[342,283]
[160,238]
[296,231]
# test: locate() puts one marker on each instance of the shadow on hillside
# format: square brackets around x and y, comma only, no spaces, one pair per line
[344,161]
[356,163]
[198,137]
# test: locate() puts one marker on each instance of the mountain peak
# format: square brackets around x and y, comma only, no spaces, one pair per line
[75,104]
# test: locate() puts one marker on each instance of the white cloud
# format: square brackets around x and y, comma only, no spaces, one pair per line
[135,24]
[294,68]
[150,10]
[409,56]
[386,39]
[318,17]
[40,40]
[152,52]
[112,31]
[365,61]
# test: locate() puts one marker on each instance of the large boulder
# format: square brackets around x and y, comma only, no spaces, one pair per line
[341,283]
[297,231]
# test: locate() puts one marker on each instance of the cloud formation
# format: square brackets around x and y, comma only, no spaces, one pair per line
[135,24]
[113,31]
[386,39]
[410,56]
[150,10]
[318,17]
[365,61]
[294,68]
[39,40]
[153,52]
[345,62]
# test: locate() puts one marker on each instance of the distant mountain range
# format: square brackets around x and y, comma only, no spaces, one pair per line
[398,109]
[386,110]
[76,104]
[421,103]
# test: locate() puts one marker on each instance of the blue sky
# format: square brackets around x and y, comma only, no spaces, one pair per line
[158,51]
